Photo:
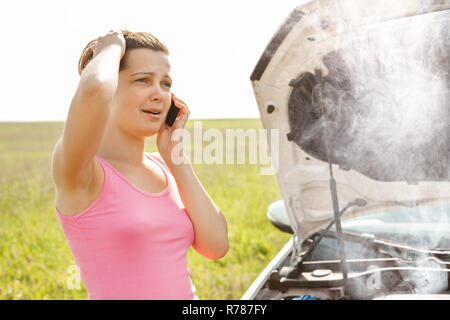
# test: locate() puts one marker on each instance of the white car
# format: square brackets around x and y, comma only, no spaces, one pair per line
[359,93]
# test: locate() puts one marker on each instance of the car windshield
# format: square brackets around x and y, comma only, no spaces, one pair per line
[415,226]
[420,227]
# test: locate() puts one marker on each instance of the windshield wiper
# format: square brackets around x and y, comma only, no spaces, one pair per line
[392,249]
[395,249]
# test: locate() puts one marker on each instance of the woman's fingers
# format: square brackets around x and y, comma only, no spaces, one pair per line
[183,115]
[111,38]
[181,105]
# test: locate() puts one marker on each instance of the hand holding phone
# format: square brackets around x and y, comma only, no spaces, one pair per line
[176,118]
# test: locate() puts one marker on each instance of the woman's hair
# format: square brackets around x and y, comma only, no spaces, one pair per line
[133,40]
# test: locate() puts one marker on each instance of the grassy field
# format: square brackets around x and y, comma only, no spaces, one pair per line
[35,257]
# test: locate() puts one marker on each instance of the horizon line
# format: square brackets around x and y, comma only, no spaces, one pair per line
[40,121]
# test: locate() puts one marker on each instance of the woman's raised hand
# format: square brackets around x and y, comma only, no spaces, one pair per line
[110,39]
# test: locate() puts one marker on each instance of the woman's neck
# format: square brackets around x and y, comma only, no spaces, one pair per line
[119,146]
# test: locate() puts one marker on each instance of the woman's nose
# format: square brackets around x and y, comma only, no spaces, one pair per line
[157,93]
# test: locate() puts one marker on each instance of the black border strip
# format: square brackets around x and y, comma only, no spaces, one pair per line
[275,42]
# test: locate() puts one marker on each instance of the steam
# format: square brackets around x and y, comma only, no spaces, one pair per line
[399,99]
[385,102]
[383,107]
[397,114]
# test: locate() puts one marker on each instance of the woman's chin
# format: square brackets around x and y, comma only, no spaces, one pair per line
[149,130]
[148,133]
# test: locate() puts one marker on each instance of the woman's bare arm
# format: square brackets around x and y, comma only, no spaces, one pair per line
[210,225]
[72,160]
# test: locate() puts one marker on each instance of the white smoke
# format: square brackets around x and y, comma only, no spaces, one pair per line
[385,109]
[387,106]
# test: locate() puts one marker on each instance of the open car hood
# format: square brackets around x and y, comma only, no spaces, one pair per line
[363,86]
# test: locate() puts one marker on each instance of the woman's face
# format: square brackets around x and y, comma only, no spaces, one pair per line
[144,84]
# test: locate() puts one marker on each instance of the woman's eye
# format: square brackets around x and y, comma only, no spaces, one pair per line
[145,80]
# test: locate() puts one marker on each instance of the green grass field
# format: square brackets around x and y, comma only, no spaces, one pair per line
[35,257]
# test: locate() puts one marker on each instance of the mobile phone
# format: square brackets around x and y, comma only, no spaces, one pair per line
[172,114]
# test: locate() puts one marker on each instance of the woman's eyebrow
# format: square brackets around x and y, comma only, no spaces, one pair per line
[149,74]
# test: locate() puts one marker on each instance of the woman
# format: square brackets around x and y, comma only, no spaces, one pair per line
[129,217]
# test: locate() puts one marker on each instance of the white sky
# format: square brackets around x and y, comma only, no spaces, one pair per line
[214,46]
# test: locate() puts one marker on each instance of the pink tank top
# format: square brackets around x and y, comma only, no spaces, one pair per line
[130,244]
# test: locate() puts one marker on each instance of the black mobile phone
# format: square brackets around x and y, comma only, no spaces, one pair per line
[172,114]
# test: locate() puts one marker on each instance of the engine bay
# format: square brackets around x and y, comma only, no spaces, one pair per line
[372,274]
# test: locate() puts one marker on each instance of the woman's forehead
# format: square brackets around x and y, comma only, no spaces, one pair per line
[146,60]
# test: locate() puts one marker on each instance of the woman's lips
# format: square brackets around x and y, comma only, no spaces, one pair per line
[152,116]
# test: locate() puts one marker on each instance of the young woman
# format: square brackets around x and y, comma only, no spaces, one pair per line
[130,217]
